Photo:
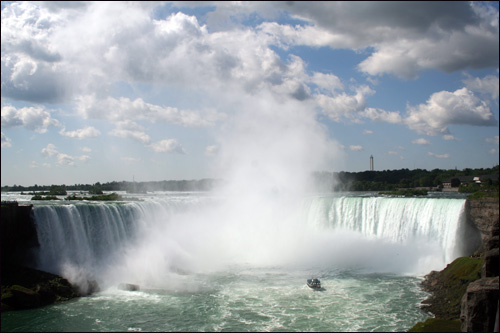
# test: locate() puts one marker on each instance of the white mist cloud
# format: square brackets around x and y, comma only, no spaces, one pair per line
[271,145]
[356,148]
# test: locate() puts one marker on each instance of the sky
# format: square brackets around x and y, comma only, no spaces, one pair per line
[150,91]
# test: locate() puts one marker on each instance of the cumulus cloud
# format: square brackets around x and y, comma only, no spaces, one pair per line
[493,140]
[449,137]
[62,158]
[344,106]
[356,148]
[36,119]
[486,85]
[421,141]
[439,155]
[380,115]
[405,37]
[83,133]
[5,141]
[445,108]
[113,109]
[168,146]
[128,129]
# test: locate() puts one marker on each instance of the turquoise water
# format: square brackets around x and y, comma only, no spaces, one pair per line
[242,300]
[219,263]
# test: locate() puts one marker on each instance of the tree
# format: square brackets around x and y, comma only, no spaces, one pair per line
[455,182]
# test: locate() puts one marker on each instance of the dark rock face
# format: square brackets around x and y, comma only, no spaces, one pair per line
[26,288]
[490,265]
[479,306]
[129,287]
[479,297]
[18,234]
[483,214]
[23,287]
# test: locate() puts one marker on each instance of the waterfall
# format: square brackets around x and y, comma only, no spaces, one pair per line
[145,240]
[396,220]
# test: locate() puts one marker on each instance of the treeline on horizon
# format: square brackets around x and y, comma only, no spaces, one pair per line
[387,180]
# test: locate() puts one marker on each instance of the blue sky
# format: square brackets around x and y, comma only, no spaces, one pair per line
[112,91]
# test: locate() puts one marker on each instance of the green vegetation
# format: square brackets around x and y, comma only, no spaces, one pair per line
[48,197]
[387,180]
[449,286]
[394,180]
[104,197]
[483,194]
[437,325]
[133,187]
[406,192]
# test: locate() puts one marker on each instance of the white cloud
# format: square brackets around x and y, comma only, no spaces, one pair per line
[493,140]
[62,158]
[486,85]
[211,150]
[50,150]
[326,83]
[5,141]
[439,155]
[32,118]
[368,132]
[421,141]
[380,115]
[168,146]
[130,134]
[446,108]
[405,37]
[123,108]
[86,149]
[449,137]
[343,105]
[83,133]
[356,148]
[128,129]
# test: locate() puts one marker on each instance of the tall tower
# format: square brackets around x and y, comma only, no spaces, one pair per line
[371,162]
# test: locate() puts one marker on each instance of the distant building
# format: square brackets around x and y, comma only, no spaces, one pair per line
[371,162]
[470,179]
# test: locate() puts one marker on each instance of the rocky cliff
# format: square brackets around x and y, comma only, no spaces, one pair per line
[23,287]
[480,303]
[468,288]
[18,234]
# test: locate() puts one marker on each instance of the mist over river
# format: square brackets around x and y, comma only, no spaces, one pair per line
[227,262]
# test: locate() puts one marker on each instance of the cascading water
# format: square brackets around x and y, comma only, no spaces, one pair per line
[147,241]
[213,262]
